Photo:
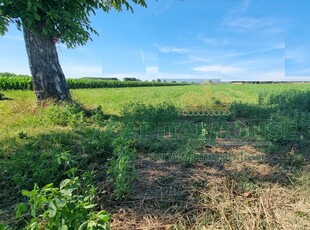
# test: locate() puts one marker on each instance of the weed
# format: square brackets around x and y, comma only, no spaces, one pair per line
[296,161]
[22,135]
[252,112]
[122,167]
[291,102]
[71,114]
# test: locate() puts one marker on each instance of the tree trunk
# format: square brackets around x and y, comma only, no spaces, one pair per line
[47,76]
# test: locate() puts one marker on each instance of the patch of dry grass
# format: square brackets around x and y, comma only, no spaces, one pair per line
[231,195]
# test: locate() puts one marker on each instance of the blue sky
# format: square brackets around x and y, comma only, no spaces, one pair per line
[189,39]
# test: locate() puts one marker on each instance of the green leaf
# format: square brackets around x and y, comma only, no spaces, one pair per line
[91,224]
[37,17]
[83,226]
[21,208]
[64,183]
[2,227]
[48,186]
[27,193]
[90,206]
[64,227]
[29,5]
[104,217]
[67,192]
[60,203]
[52,209]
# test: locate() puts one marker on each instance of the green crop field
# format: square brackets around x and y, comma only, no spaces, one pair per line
[24,83]
[217,156]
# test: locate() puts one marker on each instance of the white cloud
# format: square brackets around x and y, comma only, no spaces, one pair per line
[179,76]
[298,78]
[152,70]
[277,46]
[240,8]
[167,49]
[277,75]
[219,69]
[235,19]
[150,58]
[213,41]
[194,59]
[261,64]
[250,22]
[78,70]
[149,76]
[298,55]
[225,55]
[273,75]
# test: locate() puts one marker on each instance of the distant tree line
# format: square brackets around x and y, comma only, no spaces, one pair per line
[263,82]
[8,74]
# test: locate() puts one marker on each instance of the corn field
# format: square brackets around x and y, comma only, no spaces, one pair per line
[25,83]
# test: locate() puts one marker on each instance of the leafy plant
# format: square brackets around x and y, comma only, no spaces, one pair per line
[122,167]
[66,207]
[97,116]
[65,114]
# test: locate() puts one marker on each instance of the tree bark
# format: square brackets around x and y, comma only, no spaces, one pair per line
[48,78]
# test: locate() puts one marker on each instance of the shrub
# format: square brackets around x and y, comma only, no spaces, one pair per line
[72,114]
[64,114]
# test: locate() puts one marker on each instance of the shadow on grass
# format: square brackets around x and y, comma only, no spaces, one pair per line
[187,192]
[6,99]
[174,186]
[48,158]
[172,195]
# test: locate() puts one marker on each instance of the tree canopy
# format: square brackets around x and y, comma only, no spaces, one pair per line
[66,21]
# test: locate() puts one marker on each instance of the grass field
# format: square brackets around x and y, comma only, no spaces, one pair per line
[149,158]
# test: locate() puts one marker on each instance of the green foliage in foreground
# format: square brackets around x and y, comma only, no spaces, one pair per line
[122,167]
[25,83]
[68,207]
